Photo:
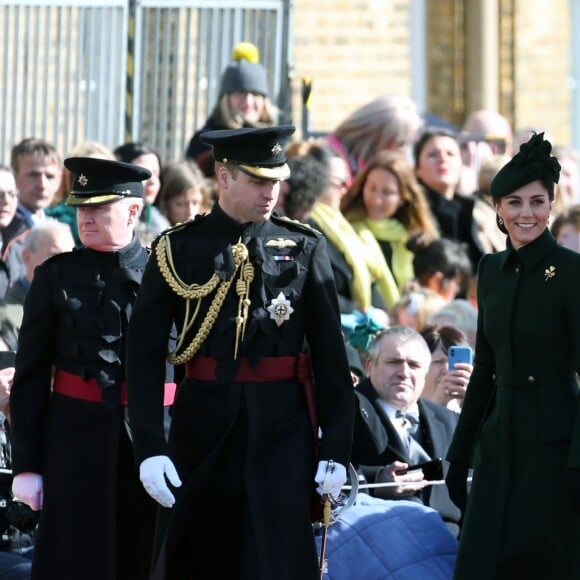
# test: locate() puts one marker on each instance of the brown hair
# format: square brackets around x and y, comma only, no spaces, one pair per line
[177,178]
[225,117]
[571,216]
[414,214]
[446,336]
[32,146]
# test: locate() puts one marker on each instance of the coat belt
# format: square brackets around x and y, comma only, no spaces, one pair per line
[269,369]
[75,386]
[275,368]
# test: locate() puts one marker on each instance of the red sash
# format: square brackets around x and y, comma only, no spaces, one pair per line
[279,368]
[75,386]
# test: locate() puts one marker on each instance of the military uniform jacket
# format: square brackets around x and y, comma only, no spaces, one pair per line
[376,443]
[520,423]
[75,319]
[290,263]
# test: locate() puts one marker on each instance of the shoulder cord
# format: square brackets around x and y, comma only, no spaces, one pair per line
[197,292]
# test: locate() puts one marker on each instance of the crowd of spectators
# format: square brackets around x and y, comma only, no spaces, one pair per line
[407,215]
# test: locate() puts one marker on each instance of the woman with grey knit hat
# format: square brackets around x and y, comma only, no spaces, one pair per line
[519,428]
[243,102]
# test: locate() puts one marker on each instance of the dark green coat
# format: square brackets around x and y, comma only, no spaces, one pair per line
[520,425]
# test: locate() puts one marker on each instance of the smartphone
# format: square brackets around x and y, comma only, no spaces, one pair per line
[459,354]
[7,358]
[432,470]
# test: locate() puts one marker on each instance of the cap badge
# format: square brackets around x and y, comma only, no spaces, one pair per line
[281,243]
[550,272]
[82,180]
[280,309]
[277,149]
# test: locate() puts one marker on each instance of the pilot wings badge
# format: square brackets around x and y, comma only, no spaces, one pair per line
[280,243]
[280,309]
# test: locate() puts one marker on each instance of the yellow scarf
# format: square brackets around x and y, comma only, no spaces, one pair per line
[365,267]
[392,231]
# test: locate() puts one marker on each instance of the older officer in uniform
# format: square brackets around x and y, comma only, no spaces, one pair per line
[72,454]
[249,292]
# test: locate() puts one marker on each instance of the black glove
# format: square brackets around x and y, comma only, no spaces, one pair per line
[573,480]
[456,482]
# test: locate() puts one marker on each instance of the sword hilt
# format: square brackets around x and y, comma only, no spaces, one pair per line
[326,494]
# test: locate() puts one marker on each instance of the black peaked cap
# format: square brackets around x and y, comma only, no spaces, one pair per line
[100,181]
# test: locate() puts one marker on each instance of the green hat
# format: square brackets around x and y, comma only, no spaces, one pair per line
[100,181]
[532,162]
[258,152]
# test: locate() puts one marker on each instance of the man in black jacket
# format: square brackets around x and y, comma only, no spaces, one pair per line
[71,448]
[248,291]
[396,429]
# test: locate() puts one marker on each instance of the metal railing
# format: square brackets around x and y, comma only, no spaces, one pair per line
[112,71]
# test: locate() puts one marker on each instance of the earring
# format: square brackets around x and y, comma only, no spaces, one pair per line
[500,220]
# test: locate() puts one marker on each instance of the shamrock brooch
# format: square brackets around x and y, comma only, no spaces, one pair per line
[550,272]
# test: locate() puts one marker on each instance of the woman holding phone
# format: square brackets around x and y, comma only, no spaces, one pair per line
[451,365]
[520,424]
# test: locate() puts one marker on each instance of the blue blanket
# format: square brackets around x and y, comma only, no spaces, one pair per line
[389,540]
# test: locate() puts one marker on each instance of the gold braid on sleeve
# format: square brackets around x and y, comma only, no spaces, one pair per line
[198,292]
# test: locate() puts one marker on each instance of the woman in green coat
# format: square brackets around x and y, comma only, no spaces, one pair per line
[520,424]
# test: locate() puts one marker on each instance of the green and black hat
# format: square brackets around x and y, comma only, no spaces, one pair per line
[532,162]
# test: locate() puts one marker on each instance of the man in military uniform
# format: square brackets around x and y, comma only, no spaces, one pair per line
[250,293]
[72,455]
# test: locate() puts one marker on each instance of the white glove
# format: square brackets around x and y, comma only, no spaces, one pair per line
[153,472]
[27,487]
[330,481]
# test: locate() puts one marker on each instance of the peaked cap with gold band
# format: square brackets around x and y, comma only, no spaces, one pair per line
[100,181]
[258,152]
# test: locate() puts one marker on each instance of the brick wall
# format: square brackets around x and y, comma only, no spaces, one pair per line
[445,60]
[542,67]
[355,50]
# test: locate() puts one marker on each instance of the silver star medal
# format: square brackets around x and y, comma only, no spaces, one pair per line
[280,309]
